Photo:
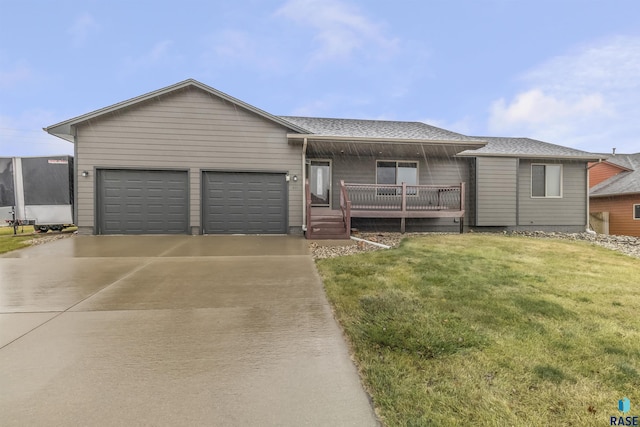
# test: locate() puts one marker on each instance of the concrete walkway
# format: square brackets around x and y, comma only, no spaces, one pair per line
[172,330]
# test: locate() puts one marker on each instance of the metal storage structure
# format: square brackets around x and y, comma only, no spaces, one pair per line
[37,191]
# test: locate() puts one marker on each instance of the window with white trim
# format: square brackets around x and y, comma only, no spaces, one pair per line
[395,173]
[636,211]
[546,180]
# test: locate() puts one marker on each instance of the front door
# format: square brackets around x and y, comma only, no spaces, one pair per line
[319,173]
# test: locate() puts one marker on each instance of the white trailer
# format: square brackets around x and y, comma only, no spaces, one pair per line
[37,191]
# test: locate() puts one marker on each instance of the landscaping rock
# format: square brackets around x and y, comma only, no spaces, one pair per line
[625,244]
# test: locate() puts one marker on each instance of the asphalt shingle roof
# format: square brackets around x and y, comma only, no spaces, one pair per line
[522,147]
[374,129]
[627,182]
[517,147]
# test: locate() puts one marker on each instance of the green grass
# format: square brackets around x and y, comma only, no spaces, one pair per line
[491,330]
[10,242]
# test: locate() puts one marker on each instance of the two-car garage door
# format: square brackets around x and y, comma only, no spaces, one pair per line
[157,202]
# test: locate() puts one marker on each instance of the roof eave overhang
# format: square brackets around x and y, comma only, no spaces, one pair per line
[65,130]
[622,168]
[588,158]
[630,193]
[356,139]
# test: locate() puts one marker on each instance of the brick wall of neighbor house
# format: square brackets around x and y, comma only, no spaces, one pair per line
[431,171]
[620,210]
[569,210]
[599,172]
[186,129]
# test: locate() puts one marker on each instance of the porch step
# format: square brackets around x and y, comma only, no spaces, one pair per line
[327,224]
[341,236]
[334,218]
[328,230]
[324,229]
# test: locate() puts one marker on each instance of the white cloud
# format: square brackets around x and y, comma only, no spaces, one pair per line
[231,46]
[534,108]
[13,74]
[159,53]
[328,104]
[586,99]
[22,135]
[340,29]
[233,43]
[83,26]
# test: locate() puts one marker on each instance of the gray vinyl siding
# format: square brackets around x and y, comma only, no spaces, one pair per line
[431,171]
[496,183]
[570,209]
[186,129]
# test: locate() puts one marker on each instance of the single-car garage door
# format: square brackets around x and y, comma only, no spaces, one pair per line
[142,202]
[244,203]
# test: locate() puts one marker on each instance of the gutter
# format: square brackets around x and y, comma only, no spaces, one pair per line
[532,156]
[365,139]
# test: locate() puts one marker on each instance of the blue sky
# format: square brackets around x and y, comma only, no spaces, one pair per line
[563,71]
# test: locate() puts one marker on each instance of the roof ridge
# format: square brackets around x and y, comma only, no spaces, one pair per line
[362,120]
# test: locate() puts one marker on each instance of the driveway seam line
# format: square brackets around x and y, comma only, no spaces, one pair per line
[135,270]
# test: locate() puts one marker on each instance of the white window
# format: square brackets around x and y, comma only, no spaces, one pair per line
[395,173]
[636,211]
[546,180]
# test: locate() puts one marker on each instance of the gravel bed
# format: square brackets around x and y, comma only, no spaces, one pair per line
[319,250]
[46,238]
[626,244]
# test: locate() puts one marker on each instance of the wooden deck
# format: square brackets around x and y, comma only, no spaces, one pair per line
[384,201]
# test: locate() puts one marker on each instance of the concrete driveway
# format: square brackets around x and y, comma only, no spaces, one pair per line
[172,330]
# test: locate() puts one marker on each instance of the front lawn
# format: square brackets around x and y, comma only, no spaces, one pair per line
[25,235]
[9,242]
[492,330]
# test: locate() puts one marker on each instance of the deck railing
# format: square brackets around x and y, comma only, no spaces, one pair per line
[395,201]
[404,197]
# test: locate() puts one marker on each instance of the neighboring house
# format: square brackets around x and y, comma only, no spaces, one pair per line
[615,190]
[189,159]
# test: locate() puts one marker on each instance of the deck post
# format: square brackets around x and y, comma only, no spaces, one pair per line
[403,208]
[404,197]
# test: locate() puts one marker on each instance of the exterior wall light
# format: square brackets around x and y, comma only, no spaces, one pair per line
[85,173]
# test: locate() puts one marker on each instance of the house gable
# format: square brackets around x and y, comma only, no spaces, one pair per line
[64,129]
[599,172]
[187,129]
[627,181]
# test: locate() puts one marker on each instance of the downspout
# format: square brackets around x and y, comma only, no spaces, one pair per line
[75,178]
[304,183]
[588,216]
[517,193]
